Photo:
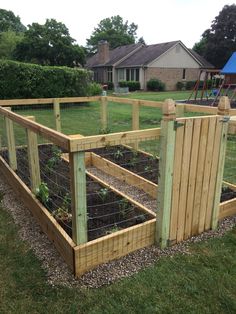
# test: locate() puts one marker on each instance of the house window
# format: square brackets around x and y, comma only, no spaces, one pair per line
[121,75]
[132,75]
[184,74]
[109,75]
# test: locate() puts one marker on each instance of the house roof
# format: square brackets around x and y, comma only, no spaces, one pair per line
[204,63]
[230,67]
[115,55]
[141,55]
[147,54]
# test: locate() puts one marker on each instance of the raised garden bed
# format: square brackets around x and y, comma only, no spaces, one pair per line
[141,165]
[107,211]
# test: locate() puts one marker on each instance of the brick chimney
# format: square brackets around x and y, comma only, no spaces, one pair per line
[103,52]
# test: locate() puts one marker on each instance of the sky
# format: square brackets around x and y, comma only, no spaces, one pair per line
[158,21]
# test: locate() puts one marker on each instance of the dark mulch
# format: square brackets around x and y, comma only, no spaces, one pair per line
[143,165]
[207,102]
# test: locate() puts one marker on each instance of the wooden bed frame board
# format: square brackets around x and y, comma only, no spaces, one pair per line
[113,246]
[124,175]
[49,225]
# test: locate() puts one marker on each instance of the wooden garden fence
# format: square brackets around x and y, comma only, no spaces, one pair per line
[190,177]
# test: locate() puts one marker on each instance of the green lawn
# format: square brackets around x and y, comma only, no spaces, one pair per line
[203,282]
[85,119]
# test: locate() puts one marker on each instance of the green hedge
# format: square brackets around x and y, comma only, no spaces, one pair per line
[133,85]
[24,80]
[155,85]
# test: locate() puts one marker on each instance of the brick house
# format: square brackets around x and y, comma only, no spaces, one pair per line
[169,62]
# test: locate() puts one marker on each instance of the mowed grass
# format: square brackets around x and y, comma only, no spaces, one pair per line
[85,119]
[203,282]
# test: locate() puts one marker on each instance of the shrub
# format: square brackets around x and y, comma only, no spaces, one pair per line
[25,80]
[155,85]
[110,85]
[133,85]
[94,89]
[180,85]
[190,85]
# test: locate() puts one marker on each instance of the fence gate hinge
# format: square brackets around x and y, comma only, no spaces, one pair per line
[225,119]
[177,125]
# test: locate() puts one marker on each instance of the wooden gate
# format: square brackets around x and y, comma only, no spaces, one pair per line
[197,175]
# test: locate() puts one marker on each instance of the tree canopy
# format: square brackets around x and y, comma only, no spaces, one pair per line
[49,44]
[219,42]
[115,31]
[10,22]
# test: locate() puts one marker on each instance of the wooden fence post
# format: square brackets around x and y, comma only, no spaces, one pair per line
[166,164]
[79,197]
[223,110]
[57,115]
[104,113]
[11,145]
[135,120]
[33,157]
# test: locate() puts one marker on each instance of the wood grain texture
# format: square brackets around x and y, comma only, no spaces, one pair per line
[50,227]
[113,246]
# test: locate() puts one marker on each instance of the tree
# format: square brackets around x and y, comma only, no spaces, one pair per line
[219,42]
[49,44]
[10,22]
[8,42]
[115,31]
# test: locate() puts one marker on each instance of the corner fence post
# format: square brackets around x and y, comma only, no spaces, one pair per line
[103,112]
[57,114]
[11,145]
[166,165]
[33,157]
[223,110]
[78,197]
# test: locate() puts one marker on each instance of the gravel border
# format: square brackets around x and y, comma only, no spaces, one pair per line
[59,274]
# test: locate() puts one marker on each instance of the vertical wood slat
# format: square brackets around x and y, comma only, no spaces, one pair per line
[135,121]
[79,197]
[184,178]
[207,173]
[57,114]
[214,170]
[11,145]
[192,177]
[103,113]
[166,164]
[200,174]
[223,109]
[33,158]
[179,138]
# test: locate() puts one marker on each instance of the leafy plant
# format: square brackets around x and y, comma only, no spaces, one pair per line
[125,207]
[155,85]
[103,194]
[42,193]
[105,131]
[147,168]
[115,228]
[118,154]
[62,213]
[55,159]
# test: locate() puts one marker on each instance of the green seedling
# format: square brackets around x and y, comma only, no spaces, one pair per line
[105,131]
[42,193]
[118,154]
[62,213]
[55,159]
[103,194]
[115,228]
